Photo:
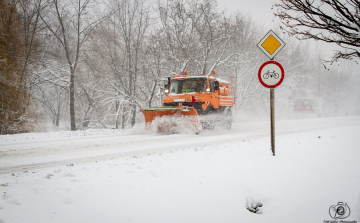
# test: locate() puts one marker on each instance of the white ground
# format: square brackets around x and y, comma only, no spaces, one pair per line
[136,176]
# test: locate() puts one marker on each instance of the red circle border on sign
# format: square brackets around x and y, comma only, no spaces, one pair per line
[282,74]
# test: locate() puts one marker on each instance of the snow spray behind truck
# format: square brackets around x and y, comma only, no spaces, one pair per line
[203,101]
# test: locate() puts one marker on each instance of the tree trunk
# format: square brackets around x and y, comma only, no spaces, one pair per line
[117,105]
[87,116]
[57,119]
[72,102]
[122,116]
[133,116]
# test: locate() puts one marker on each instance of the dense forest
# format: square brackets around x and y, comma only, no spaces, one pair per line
[82,64]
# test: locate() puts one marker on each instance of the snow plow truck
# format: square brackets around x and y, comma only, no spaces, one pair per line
[203,101]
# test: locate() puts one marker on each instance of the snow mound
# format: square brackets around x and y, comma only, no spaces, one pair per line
[254,205]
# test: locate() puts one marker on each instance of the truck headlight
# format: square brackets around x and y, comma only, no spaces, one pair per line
[166,91]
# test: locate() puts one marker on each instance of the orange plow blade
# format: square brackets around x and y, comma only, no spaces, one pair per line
[171,119]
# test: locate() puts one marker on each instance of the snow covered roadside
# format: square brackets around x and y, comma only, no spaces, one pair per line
[209,183]
[32,151]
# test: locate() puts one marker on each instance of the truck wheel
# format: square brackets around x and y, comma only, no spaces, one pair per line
[207,122]
[208,119]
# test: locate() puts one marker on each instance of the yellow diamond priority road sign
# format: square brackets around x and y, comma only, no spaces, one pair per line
[271,44]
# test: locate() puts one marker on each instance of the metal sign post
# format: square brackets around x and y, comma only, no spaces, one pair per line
[272,119]
[271,74]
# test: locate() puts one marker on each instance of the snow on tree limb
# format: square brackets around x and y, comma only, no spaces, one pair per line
[314,20]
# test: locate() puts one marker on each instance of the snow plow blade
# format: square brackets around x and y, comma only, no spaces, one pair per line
[173,117]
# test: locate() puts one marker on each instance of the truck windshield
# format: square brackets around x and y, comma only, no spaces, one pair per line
[188,85]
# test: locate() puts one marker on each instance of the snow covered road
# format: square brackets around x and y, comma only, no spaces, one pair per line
[38,150]
[212,177]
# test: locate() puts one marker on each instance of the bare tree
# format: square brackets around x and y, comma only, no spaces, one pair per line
[197,35]
[154,69]
[214,32]
[71,23]
[331,21]
[131,21]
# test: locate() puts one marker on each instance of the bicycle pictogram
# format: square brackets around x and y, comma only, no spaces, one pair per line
[271,75]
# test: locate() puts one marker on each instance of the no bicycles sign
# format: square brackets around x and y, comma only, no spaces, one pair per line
[271,74]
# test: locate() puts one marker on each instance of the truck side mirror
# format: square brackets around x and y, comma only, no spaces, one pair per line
[169,80]
[216,85]
[167,86]
[166,91]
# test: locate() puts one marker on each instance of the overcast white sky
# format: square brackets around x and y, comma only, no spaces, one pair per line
[260,9]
